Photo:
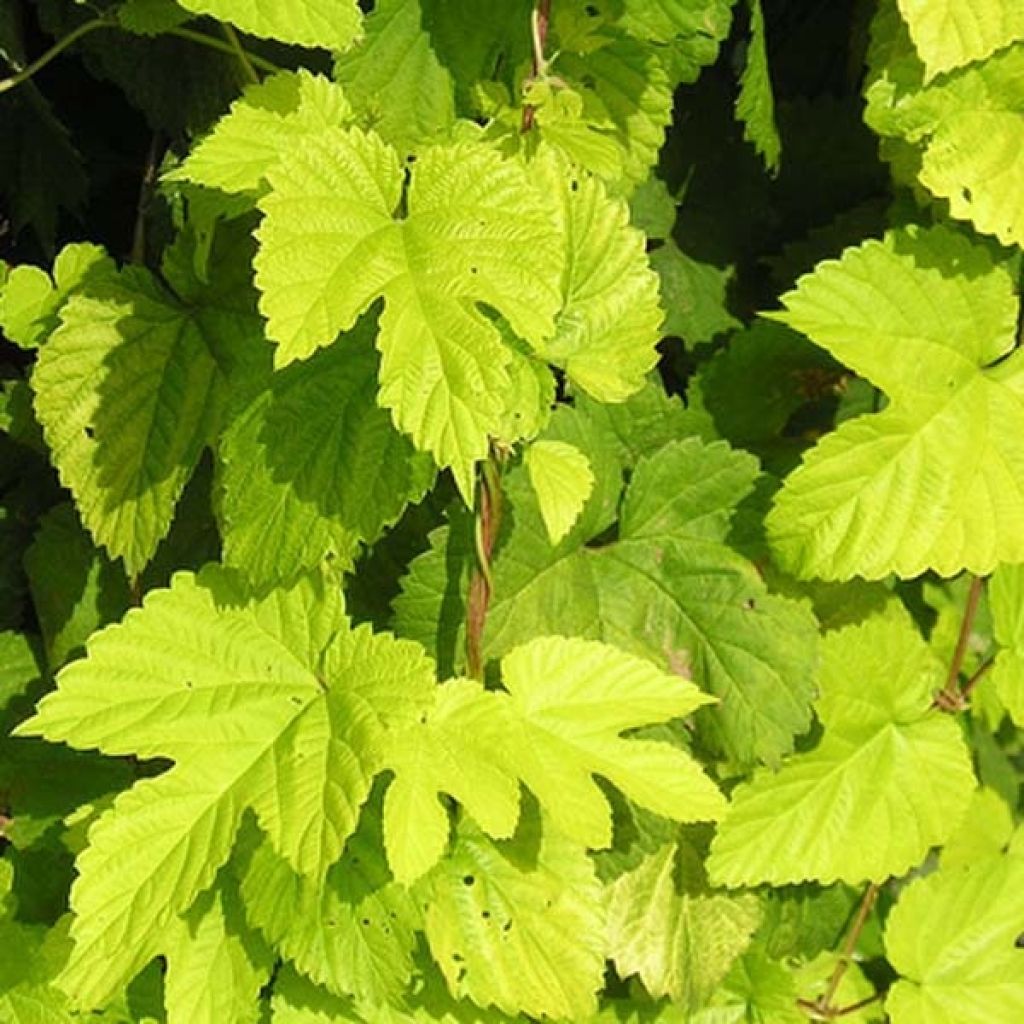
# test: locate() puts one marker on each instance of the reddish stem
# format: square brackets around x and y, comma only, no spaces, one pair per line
[540,38]
[488,516]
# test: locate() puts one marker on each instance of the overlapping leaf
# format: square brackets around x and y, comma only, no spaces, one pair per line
[129,390]
[935,480]
[274,704]
[889,779]
[353,932]
[267,122]
[29,299]
[313,466]
[950,33]
[215,965]
[610,112]
[395,80]
[1006,600]
[610,319]
[334,24]
[665,926]
[963,134]
[668,588]
[477,230]
[953,938]
[557,724]
[498,917]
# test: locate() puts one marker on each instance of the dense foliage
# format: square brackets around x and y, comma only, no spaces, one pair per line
[511,511]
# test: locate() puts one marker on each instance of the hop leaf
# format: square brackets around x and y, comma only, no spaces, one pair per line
[951,33]
[962,134]
[668,928]
[562,480]
[266,123]
[889,779]
[498,917]
[935,480]
[952,938]
[274,704]
[477,231]
[334,24]
[558,723]
[1006,600]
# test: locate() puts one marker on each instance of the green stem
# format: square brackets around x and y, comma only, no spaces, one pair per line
[54,51]
[218,44]
[250,61]
[243,58]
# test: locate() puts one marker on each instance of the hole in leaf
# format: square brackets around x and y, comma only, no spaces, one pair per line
[90,432]
[468,880]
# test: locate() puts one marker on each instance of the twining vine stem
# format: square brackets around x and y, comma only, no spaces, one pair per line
[541,21]
[250,60]
[822,1008]
[481,583]
[951,697]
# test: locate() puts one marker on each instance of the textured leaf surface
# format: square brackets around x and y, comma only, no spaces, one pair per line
[477,230]
[129,389]
[615,100]
[333,24]
[562,480]
[265,124]
[890,778]
[314,466]
[689,30]
[693,295]
[125,392]
[558,723]
[273,704]
[75,588]
[669,588]
[609,324]
[29,300]
[354,932]
[952,938]
[497,920]
[964,130]
[935,480]
[395,80]
[950,33]
[755,105]
[667,928]
[215,966]
[1006,600]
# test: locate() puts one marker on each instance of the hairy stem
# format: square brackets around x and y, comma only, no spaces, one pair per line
[481,584]
[824,1004]
[541,21]
[243,58]
[58,48]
